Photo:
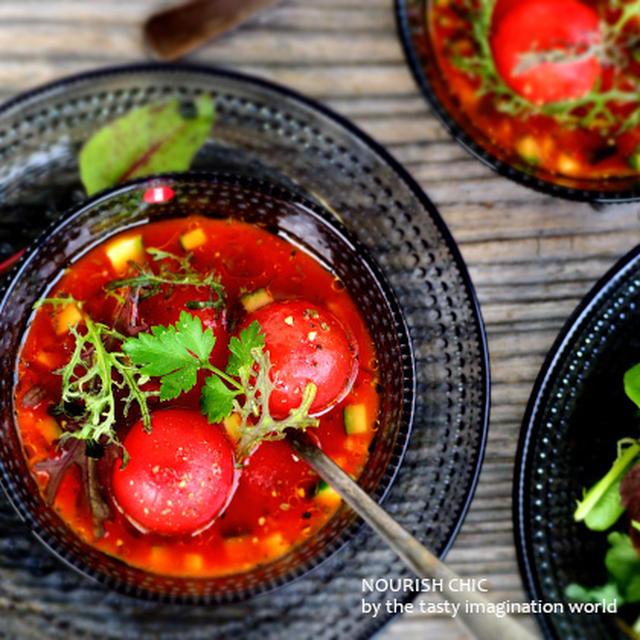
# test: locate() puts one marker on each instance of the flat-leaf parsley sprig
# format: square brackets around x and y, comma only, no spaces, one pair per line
[173,271]
[176,353]
[92,377]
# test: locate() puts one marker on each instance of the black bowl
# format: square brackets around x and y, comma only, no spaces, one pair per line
[576,414]
[414,34]
[307,226]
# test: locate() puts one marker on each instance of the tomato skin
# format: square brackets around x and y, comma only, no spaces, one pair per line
[501,8]
[275,473]
[541,25]
[306,344]
[179,476]
[164,309]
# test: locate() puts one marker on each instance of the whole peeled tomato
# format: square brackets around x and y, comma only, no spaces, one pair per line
[530,41]
[165,307]
[306,344]
[178,477]
[501,8]
[276,474]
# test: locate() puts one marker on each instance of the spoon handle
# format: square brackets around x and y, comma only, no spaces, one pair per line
[174,32]
[418,558]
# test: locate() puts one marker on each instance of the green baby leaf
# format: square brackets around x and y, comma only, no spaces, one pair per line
[623,564]
[632,384]
[156,138]
[600,507]
[623,568]
[607,592]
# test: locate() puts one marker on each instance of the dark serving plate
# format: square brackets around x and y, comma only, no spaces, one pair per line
[264,132]
[576,414]
[412,28]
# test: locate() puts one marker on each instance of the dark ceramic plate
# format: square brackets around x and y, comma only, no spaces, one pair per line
[266,132]
[576,414]
[411,20]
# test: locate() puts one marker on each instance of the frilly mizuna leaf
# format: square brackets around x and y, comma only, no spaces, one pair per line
[163,136]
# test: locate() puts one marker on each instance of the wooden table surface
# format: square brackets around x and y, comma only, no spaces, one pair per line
[531,257]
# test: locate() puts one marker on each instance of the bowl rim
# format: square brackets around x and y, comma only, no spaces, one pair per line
[465,140]
[60,85]
[348,239]
[530,428]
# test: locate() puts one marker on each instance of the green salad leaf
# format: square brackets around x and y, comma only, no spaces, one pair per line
[600,506]
[156,138]
[623,569]
[631,382]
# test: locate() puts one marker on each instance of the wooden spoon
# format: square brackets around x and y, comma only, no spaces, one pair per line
[418,558]
[176,31]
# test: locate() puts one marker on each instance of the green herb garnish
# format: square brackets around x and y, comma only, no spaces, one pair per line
[175,354]
[156,138]
[178,352]
[173,271]
[92,378]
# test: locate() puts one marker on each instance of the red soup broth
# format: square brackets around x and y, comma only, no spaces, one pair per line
[278,500]
[534,139]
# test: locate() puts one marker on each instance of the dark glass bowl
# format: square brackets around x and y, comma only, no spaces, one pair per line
[222,196]
[577,412]
[414,34]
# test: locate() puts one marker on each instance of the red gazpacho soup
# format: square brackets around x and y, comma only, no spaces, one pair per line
[553,84]
[156,382]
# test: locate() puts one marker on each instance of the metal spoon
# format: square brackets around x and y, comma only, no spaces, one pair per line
[417,557]
[174,32]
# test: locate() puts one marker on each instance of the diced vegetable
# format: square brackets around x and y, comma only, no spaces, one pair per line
[355,418]
[50,429]
[327,495]
[160,556]
[568,165]
[67,317]
[232,426]
[528,149]
[634,159]
[193,239]
[194,562]
[275,544]
[256,299]
[47,359]
[126,250]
